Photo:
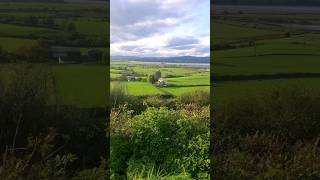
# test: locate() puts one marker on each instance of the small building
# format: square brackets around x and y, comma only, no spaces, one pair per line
[66,54]
[162,82]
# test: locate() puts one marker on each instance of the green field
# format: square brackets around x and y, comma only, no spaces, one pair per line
[226,32]
[24,25]
[12,44]
[192,80]
[86,27]
[82,85]
[180,80]
[24,31]
[277,58]
[142,89]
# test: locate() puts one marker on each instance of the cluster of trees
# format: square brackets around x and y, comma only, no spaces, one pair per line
[153,78]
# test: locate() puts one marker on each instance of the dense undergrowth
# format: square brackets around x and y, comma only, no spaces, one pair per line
[274,135]
[160,137]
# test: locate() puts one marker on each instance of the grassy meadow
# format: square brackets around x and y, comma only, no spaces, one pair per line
[261,57]
[81,85]
[179,79]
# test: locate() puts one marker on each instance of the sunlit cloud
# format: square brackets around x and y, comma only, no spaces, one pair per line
[160,27]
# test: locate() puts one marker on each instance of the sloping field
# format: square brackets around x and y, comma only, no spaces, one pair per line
[26,31]
[229,91]
[192,80]
[12,44]
[142,89]
[86,27]
[81,85]
[177,91]
[227,32]
[272,64]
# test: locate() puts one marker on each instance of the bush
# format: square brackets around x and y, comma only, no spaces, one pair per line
[201,98]
[172,140]
[158,101]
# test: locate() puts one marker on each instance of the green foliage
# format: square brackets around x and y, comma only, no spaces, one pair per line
[198,97]
[39,160]
[157,75]
[159,101]
[172,140]
[98,173]
[151,79]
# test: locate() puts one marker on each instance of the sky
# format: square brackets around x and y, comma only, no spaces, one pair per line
[160,28]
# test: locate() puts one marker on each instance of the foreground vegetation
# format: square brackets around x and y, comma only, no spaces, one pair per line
[158,137]
[274,135]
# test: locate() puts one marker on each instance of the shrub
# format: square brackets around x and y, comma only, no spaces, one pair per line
[174,141]
[201,98]
[158,101]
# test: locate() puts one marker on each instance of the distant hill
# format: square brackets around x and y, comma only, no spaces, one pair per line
[180,59]
[268,2]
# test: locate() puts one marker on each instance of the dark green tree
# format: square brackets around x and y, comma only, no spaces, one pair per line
[157,75]
[151,79]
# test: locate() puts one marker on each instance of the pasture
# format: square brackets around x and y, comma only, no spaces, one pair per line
[179,79]
[256,53]
[81,85]
[23,25]
[13,44]
[9,30]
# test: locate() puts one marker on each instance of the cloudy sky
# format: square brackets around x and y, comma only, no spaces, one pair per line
[160,27]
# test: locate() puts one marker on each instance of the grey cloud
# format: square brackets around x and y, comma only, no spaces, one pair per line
[128,17]
[128,48]
[182,43]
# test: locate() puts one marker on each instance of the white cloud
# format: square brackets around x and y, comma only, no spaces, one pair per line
[145,27]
